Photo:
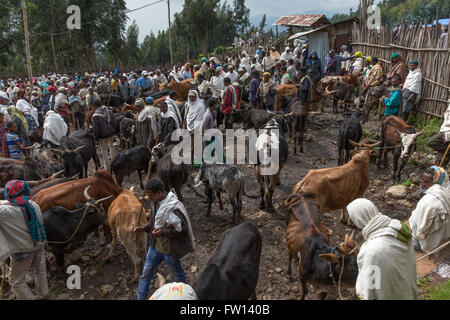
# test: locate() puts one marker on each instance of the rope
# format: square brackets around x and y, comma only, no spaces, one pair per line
[76,230]
[435,250]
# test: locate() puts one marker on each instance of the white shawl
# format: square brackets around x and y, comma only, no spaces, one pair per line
[387,267]
[23,106]
[430,221]
[172,106]
[166,216]
[14,232]
[171,114]
[218,86]
[60,100]
[151,113]
[413,81]
[54,127]
[194,113]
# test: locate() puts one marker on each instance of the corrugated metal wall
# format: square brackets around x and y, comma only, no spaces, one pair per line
[319,41]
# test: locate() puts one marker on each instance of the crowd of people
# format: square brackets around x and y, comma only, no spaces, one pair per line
[58,103]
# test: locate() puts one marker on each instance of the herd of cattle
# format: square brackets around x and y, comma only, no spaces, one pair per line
[75,204]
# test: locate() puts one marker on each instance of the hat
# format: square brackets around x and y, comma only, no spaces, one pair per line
[219,69]
[266,74]
[204,59]
[149,100]
[414,62]
[52,89]
[144,73]
[394,55]
[230,67]
[62,89]
[3,95]
[369,59]
[241,69]
[139,102]
[192,93]
[359,54]
[174,291]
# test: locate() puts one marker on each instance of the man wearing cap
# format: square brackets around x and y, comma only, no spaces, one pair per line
[259,52]
[91,97]
[397,67]
[375,77]
[392,102]
[255,65]
[148,126]
[268,63]
[144,83]
[344,54]
[230,102]
[134,89]
[169,123]
[411,88]
[104,126]
[244,77]
[232,74]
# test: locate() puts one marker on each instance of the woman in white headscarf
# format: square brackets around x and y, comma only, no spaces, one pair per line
[386,263]
[30,112]
[54,128]
[195,109]
[430,221]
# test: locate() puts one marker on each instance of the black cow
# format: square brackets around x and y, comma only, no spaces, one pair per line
[60,225]
[76,151]
[172,175]
[122,115]
[127,133]
[222,178]
[11,169]
[232,272]
[48,162]
[297,123]
[351,129]
[114,101]
[251,117]
[130,160]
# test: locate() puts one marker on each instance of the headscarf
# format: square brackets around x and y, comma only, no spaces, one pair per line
[17,192]
[54,127]
[440,176]
[14,112]
[359,54]
[267,86]
[332,59]
[23,106]
[195,111]
[174,291]
[204,68]
[366,216]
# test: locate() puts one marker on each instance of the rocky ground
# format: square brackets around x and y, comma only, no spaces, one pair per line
[113,280]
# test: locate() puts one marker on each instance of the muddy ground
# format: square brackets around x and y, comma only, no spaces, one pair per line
[113,280]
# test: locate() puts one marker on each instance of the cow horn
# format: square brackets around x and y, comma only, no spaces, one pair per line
[352,235]
[289,114]
[99,201]
[78,150]
[86,193]
[33,184]
[353,143]
[271,113]
[374,145]
[132,189]
[57,174]
[399,133]
[57,152]
[419,134]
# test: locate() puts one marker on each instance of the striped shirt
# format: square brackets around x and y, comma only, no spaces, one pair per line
[14,151]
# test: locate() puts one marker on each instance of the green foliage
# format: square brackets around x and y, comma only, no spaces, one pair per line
[429,128]
[439,292]
[407,183]
[422,281]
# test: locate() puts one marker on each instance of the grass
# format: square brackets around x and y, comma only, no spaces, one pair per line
[439,292]
[407,183]
[430,128]
[423,281]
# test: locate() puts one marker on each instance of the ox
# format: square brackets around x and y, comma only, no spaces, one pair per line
[297,124]
[181,88]
[289,90]
[130,160]
[335,188]
[351,129]
[251,117]
[233,270]
[308,240]
[48,162]
[279,144]
[125,213]
[67,230]
[222,178]
[11,169]
[399,137]
[77,150]
[127,133]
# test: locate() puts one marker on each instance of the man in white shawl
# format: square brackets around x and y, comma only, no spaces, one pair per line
[430,221]
[386,263]
[171,235]
[171,101]
[217,83]
[195,109]
[147,124]
[54,129]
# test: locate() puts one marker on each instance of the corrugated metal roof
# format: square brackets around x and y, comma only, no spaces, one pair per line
[301,20]
[301,34]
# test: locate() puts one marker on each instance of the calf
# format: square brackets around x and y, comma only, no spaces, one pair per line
[128,161]
[171,174]
[67,230]
[124,214]
[297,124]
[308,241]
[277,144]
[400,138]
[233,270]
[222,178]
[127,133]
[335,188]
[351,129]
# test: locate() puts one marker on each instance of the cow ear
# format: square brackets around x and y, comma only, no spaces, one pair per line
[419,134]
[329,257]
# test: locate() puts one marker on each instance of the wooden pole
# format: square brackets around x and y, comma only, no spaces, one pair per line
[54,54]
[170,35]
[27,43]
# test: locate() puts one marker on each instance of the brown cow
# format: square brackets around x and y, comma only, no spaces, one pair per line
[351,79]
[335,188]
[67,194]
[181,88]
[284,90]
[400,138]
[308,241]
[126,213]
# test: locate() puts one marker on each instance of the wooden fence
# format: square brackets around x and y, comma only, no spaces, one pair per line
[412,42]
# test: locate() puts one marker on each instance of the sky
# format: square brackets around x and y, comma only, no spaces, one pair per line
[155,17]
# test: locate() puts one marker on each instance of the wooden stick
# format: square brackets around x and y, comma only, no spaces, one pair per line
[435,250]
[445,154]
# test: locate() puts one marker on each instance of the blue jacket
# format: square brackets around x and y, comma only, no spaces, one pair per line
[144,83]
